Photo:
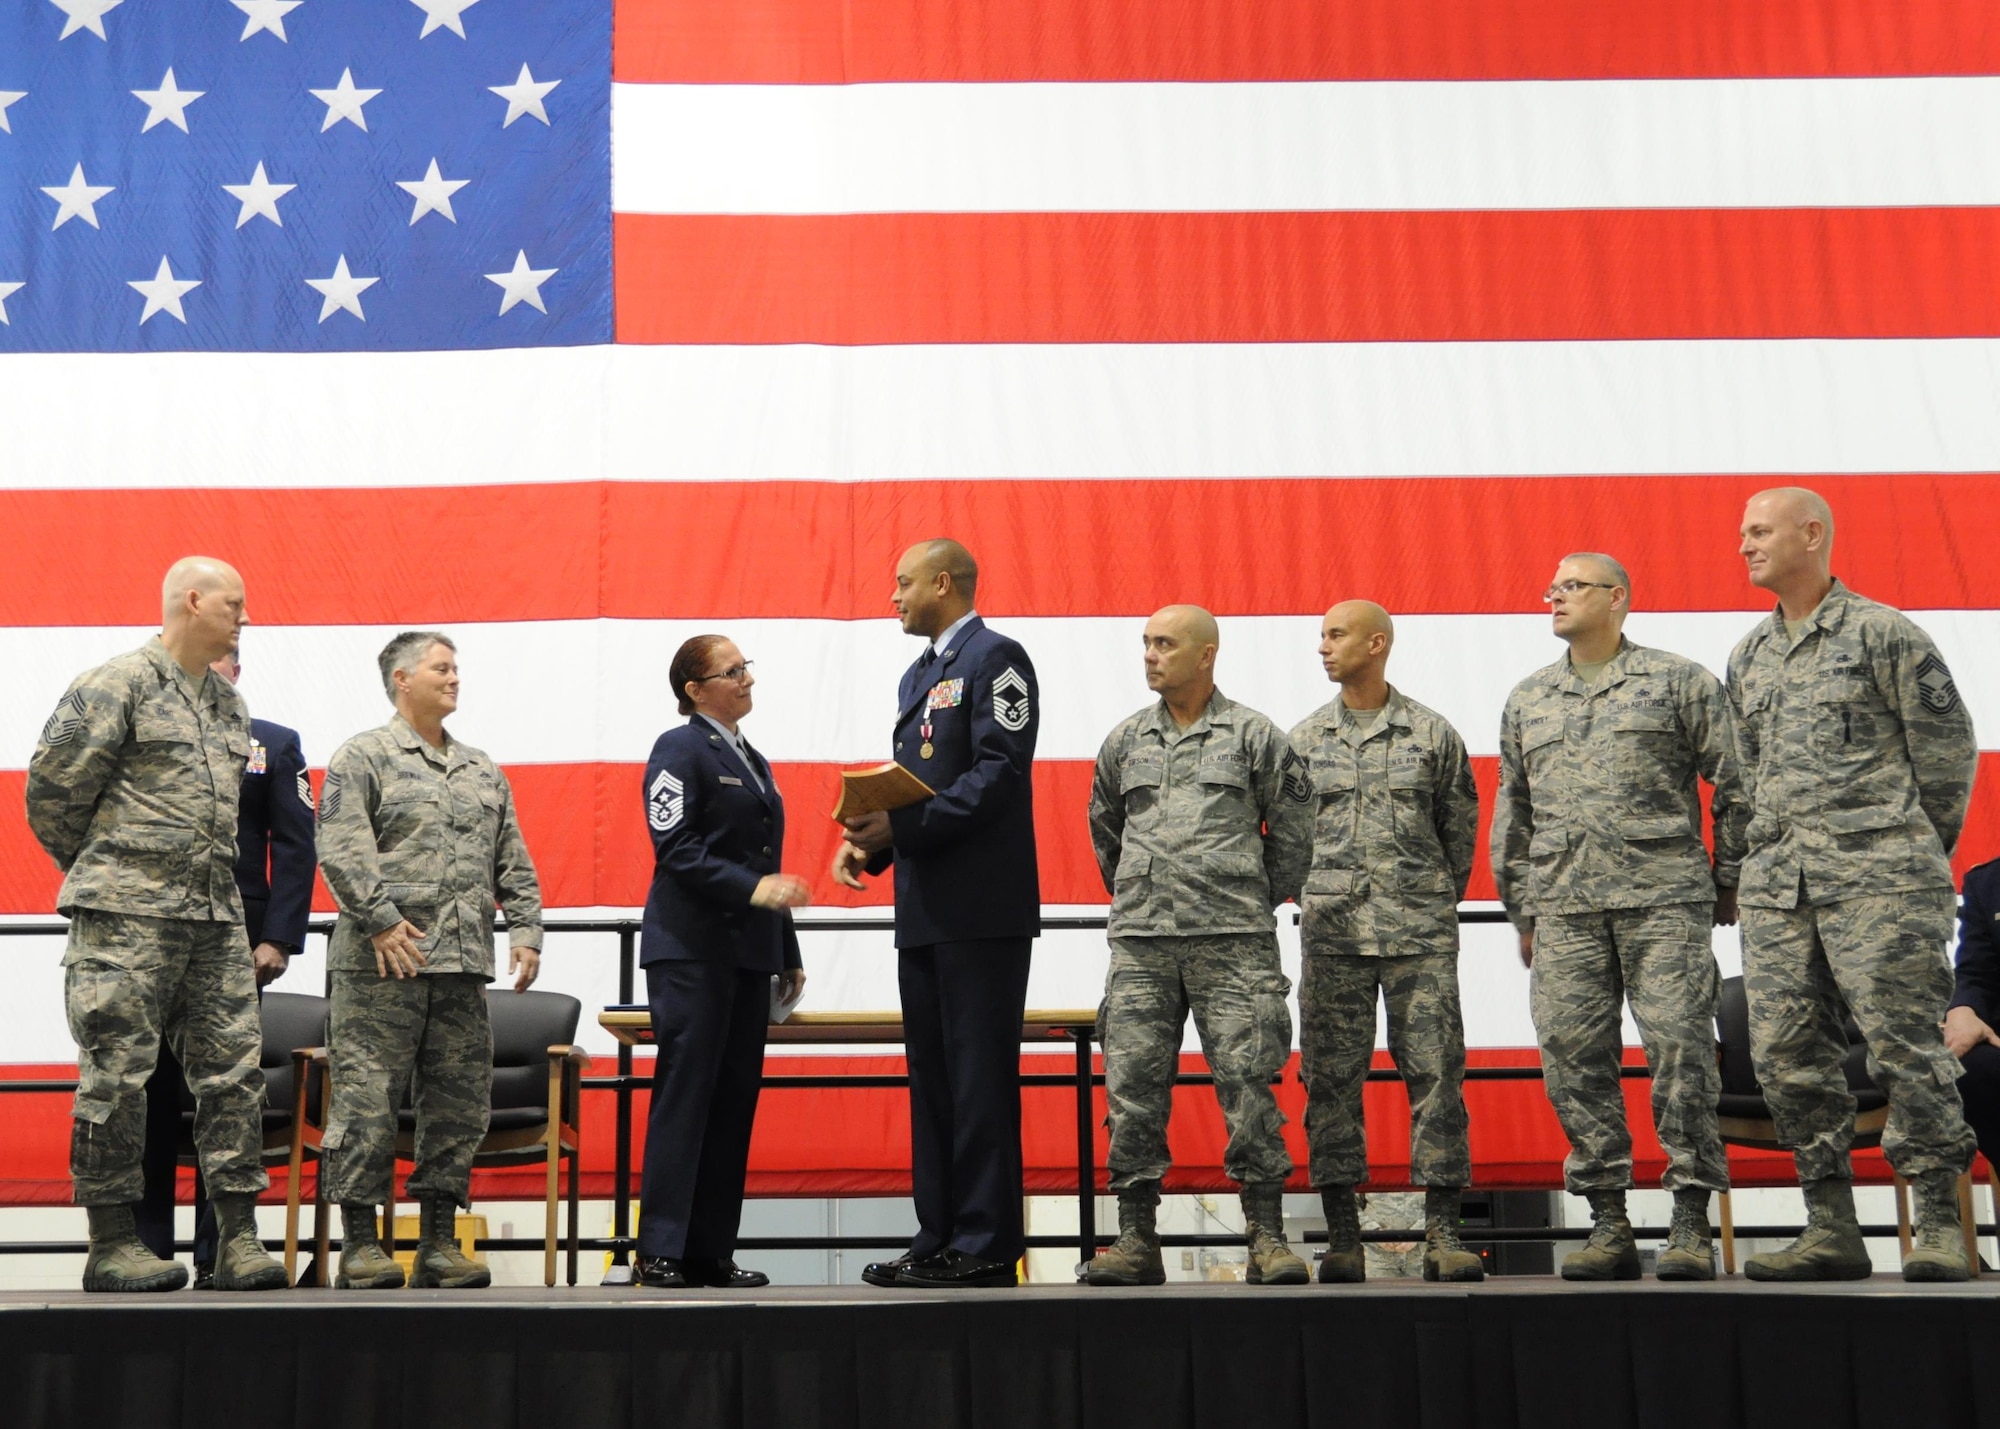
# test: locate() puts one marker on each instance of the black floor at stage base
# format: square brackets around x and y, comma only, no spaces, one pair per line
[1513,1352]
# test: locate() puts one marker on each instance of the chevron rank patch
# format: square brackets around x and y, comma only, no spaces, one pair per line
[1935,686]
[329,797]
[1295,776]
[1010,700]
[305,790]
[665,802]
[65,722]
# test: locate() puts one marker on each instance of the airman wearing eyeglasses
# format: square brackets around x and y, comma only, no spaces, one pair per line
[1598,854]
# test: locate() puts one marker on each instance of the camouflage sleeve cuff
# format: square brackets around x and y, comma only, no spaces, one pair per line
[386,916]
[525,935]
[1728,875]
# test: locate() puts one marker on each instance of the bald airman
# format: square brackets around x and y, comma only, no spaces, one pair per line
[1396,823]
[132,790]
[1200,815]
[1859,754]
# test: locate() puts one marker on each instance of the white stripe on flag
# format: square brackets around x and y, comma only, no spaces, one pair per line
[898,148]
[979,412]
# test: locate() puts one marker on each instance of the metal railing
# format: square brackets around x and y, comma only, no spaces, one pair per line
[1084,1079]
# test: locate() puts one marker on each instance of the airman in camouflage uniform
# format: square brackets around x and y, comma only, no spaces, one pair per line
[132,789]
[1860,755]
[1396,828]
[1598,854]
[418,841]
[1201,821]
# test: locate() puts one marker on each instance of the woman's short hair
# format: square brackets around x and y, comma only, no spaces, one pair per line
[404,652]
[691,663]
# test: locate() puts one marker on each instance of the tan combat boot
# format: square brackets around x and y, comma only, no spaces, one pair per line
[1611,1253]
[1830,1247]
[1344,1263]
[1134,1258]
[1689,1253]
[118,1259]
[1445,1255]
[1937,1251]
[364,1265]
[241,1262]
[440,1263]
[1271,1260]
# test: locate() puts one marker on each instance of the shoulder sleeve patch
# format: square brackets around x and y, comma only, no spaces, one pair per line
[1294,773]
[329,796]
[66,722]
[666,801]
[1935,687]
[1010,700]
[305,790]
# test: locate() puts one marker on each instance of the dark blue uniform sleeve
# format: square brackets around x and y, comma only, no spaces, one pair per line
[1005,715]
[1978,951]
[792,958]
[674,793]
[293,859]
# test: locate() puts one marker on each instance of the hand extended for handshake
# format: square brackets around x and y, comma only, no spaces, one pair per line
[867,835]
[397,955]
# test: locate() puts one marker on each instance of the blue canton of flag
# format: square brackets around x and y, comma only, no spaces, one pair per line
[304,175]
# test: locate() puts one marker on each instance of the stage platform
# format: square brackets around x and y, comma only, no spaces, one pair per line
[1516,1351]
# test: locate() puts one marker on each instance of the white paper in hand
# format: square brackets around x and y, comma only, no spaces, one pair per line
[781,1006]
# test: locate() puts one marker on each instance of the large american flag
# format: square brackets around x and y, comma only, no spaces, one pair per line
[579,327]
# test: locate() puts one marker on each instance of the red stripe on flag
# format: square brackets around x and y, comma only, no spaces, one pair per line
[1307,277]
[585,827]
[779,550]
[875,41]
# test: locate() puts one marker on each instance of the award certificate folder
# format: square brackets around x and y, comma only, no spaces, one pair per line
[884,787]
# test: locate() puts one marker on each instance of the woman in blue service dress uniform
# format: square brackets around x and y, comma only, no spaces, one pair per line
[718,927]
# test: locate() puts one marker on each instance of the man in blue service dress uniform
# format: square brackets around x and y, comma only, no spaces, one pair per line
[275,863]
[968,908]
[1975,1006]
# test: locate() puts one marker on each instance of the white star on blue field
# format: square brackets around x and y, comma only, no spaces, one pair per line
[304,175]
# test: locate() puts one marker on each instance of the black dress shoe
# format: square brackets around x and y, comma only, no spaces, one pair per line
[204,1275]
[722,1275]
[660,1272]
[955,1270]
[884,1272]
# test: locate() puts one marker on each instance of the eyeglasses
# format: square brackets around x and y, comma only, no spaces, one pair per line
[737,673]
[1568,589]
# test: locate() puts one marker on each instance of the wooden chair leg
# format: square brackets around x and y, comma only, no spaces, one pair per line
[1903,1215]
[554,1156]
[322,1223]
[296,1163]
[1968,1224]
[1728,1236]
[575,1174]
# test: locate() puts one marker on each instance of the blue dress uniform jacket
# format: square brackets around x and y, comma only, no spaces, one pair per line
[965,860]
[1979,989]
[1979,943]
[715,834]
[709,957]
[275,860]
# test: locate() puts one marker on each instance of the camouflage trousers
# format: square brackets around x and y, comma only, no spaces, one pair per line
[430,1037]
[1882,958]
[131,982]
[1661,961]
[1233,985]
[1426,1039]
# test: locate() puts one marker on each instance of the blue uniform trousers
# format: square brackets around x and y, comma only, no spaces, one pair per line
[709,1021]
[962,1006]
